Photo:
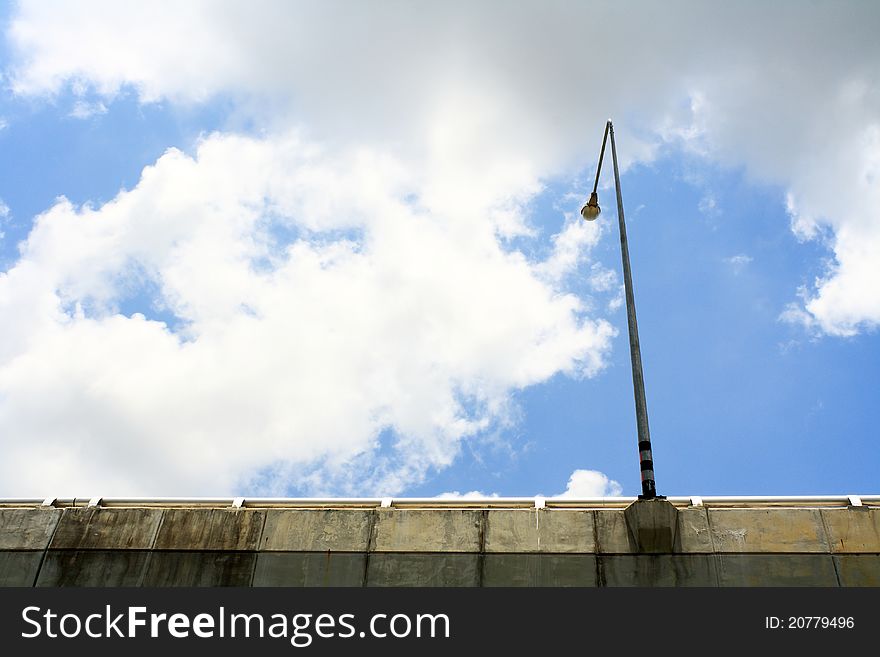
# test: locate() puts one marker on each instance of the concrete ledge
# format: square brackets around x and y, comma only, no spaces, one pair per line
[27,529]
[19,568]
[200,569]
[539,570]
[107,529]
[427,531]
[214,529]
[310,569]
[135,546]
[853,530]
[407,569]
[776,570]
[658,570]
[767,530]
[93,568]
[540,530]
[317,531]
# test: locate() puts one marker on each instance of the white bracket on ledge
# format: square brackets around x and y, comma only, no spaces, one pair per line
[49,501]
[696,500]
[854,500]
[237,502]
[386,503]
[540,503]
[95,502]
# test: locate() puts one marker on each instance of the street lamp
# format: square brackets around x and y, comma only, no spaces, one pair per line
[589,212]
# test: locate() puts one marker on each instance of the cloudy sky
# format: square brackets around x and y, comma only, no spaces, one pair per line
[334,248]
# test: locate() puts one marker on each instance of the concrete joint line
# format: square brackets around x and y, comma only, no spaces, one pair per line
[259,544]
[830,549]
[481,555]
[46,551]
[600,565]
[371,543]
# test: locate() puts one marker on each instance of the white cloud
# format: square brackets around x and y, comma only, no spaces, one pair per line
[524,85]
[570,247]
[4,216]
[591,483]
[616,302]
[400,304]
[830,174]
[708,205]
[290,360]
[83,109]
[470,495]
[738,262]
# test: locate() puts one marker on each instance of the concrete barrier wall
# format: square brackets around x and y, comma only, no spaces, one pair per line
[435,547]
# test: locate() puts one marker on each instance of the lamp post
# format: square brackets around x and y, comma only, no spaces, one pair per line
[589,212]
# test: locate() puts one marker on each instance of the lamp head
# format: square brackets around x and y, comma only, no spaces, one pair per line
[591,210]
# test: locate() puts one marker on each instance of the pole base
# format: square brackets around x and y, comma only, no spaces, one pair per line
[652,524]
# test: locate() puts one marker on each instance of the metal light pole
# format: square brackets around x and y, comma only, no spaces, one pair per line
[589,212]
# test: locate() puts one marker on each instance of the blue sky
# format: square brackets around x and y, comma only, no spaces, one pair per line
[740,403]
[296,261]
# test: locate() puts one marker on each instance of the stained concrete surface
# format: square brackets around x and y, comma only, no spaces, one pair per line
[27,529]
[19,568]
[539,530]
[858,569]
[200,569]
[853,530]
[107,529]
[310,569]
[776,570]
[539,570]
[408,569]
[767,530]
[210,529]
[424,530]
[93,568]
[317,530]
[659,570]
